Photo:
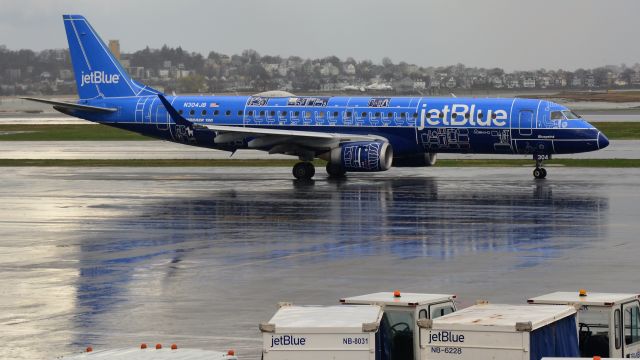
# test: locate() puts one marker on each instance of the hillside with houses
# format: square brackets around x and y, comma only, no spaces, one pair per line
[49,72]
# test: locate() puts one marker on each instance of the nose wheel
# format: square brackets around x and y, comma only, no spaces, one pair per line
[303,170]
[539,172]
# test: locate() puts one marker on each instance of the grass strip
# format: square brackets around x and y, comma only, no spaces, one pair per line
[619,130]
[67,132]
[598,163]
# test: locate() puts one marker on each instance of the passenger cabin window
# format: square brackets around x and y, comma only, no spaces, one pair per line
[228,113]
[204,112]
[216,112]
[192,112]
[556,115]
[438,310]
[631,324]
[240,113]
[180,111]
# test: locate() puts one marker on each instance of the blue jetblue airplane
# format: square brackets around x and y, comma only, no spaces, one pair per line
[354,134]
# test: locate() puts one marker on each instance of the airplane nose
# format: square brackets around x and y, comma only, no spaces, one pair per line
[603,142]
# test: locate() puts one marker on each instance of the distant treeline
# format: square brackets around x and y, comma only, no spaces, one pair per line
[174,69]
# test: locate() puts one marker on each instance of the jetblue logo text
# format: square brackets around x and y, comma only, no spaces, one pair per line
[99,77]
[445,336]
[462,115]
[287,340]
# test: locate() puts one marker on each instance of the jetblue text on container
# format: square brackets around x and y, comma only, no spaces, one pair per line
[445,336]
[287,340]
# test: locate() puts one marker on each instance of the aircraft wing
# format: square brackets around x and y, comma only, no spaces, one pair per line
[65,105]
[262,132]
[282,141]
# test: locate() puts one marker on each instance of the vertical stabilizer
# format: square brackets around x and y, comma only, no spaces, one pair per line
[98,73]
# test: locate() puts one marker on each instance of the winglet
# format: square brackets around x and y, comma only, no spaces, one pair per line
[177,118]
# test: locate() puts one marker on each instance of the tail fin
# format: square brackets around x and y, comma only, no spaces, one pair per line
[98,74]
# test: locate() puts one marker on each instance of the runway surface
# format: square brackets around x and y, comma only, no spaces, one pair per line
[113,257]
[621,149]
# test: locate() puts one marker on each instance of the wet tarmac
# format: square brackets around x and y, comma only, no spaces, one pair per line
[113,257]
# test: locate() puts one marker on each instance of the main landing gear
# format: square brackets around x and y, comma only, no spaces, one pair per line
[539,172]
[304,170]
[335,171]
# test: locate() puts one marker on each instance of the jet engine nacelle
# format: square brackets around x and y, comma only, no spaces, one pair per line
[419,160]
[363,156]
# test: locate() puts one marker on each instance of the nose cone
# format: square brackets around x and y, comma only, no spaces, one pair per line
[603,142]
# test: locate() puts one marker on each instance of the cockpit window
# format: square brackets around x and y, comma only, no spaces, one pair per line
[571,115]
[556,115]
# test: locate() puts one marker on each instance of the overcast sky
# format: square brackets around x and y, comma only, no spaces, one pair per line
[513,34]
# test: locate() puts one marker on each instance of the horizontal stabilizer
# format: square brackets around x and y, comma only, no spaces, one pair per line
[71,106]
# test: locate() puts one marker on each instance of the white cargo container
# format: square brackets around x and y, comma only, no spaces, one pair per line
[608,323]
[501,332]
[583,358]
[322,333]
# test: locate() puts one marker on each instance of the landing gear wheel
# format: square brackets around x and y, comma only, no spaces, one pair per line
[304,170]
[335,171]
[540,173]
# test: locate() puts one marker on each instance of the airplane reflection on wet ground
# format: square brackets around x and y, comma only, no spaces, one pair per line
[114,257]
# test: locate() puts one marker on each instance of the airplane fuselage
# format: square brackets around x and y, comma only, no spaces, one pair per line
[412,125]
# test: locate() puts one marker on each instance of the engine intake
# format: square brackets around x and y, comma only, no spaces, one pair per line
[363,156]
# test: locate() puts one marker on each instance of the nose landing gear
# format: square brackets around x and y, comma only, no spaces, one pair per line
[539,172]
